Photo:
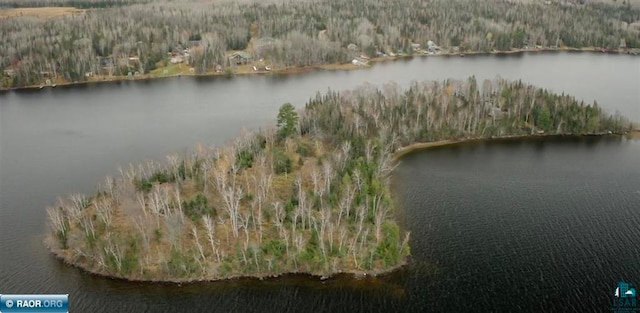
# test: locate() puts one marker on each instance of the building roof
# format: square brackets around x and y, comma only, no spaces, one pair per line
[242,54]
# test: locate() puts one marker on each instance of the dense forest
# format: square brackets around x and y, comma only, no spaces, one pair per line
[119,38]
[311,195]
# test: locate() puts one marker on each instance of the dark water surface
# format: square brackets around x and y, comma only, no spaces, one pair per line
[537,225]
[496,227]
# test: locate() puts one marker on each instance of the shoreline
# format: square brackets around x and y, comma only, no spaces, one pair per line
[314,276]
[305,69]
[418,146]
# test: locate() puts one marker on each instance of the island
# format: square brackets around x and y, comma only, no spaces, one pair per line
[310,195]
[49,43]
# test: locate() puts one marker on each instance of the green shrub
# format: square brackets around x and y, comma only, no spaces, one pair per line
[281,162]
[274,247]
[143,185]
[146,184]
[289,207]
[63,238]
[305,149]
[311,253]
[389,249]
[130,261]
[181,263]
[157,235]
[196,207]
[162,177]
[91,240]
[63,234]
[244,159]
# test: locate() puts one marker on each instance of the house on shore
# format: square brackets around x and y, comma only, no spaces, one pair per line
[359,62]
[179,54]
[432,47]
[240,57]
[107,65]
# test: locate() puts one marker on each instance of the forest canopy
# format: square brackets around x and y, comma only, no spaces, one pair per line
[136,37]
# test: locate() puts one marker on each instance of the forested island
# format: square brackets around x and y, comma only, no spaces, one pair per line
[310,195]
[53,42]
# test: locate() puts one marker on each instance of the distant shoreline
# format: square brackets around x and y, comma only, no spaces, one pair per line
[305,69]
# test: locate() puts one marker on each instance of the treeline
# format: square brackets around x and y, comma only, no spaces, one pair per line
[290,33]
[80,4]
[432,111]
[310,196]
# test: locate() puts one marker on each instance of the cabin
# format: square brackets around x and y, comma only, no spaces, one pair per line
[176,59]
[176,51]
[194,43]
[241,57]
[431,46]
[105,61]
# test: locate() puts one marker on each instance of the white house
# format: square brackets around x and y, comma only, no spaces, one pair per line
[431,46]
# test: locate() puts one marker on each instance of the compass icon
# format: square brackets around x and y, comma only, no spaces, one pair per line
[9,304]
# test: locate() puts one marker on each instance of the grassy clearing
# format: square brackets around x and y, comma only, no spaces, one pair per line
[170,70]
[44,12]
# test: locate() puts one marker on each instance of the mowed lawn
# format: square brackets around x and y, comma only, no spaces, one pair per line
[170,70]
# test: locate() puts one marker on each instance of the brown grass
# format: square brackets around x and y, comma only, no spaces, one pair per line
[634,134]
[422,145]
[44,12]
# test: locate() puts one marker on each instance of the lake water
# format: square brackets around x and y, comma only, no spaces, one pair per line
[506,226]
[538,225]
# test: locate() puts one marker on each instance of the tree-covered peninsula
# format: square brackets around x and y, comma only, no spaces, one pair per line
[310,195]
